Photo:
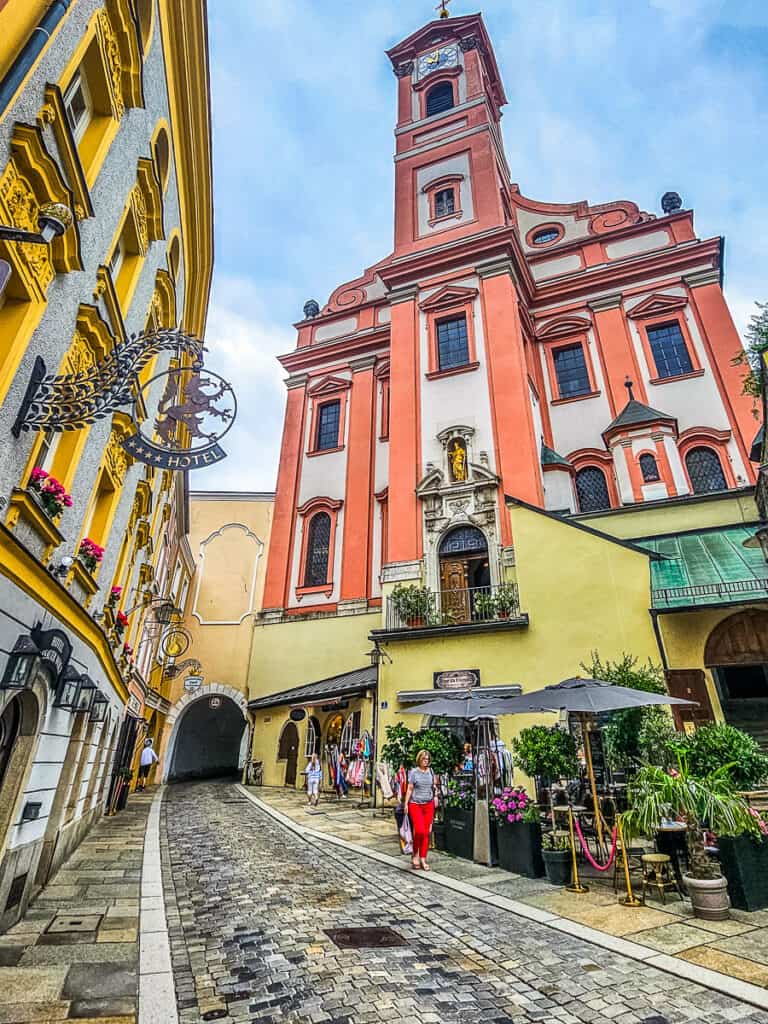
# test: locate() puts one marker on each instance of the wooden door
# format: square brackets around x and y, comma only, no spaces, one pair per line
[690,684]
[454,592]
[288,750]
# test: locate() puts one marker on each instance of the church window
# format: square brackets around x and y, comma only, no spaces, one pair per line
[452,342]
[445,202]
[592,489]
[545,235]
[328,417]
[571,371]
[705,471]
[670,353]
[649,468]
[439,98]
[318,550]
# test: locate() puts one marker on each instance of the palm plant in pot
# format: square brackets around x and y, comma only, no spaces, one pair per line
[656,795]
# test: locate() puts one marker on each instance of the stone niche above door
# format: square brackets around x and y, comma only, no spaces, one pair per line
[461,489]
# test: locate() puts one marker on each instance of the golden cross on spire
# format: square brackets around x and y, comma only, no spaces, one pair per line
[443,8]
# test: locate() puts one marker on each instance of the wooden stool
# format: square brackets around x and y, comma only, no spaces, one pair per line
[657,871]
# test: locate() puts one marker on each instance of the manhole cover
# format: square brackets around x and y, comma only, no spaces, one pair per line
[75,923]
[364,938]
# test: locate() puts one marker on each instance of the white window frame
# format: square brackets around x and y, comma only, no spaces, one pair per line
[79,82]
[117,258]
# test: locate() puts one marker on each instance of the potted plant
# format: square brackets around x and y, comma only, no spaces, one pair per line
[114,597]
[49,492]
[744,860]
[459,817]
[556,854]
[505,600]
[519,832]
[413,604]
[712,746]
[121,624]
[90,554]
[655,795]
[484,607]
[545,752]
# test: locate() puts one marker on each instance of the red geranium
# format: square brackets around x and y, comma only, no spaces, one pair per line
[52,494]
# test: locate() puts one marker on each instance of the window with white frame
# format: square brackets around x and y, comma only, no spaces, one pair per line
[77,103]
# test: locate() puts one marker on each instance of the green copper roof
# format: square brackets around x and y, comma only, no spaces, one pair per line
[549,457]
[705,568]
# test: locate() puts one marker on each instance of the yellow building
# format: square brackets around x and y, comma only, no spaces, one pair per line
[105,232]
[205,687]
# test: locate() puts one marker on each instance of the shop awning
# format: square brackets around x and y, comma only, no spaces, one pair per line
[416,696]
[324,691]
[706,567]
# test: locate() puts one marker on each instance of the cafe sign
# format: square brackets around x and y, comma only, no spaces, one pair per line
[457,679]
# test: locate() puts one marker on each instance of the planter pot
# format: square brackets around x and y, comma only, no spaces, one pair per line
[460,832]
[744,861]
[503,614]
[520,848]
[438,833]
[414,622]
[709,897]
[557,864]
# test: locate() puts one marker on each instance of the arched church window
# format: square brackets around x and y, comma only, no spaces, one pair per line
[318,550]
[705,471]
[592,490]
[649,468]
[439,98]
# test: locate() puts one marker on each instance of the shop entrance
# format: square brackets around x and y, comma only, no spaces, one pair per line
[288,751]
[464,572]
[737,654]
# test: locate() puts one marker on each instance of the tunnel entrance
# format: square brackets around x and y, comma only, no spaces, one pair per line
[210,733]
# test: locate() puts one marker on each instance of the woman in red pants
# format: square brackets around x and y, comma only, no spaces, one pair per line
[420,805]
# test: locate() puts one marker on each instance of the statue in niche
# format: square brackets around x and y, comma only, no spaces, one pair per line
[457,457]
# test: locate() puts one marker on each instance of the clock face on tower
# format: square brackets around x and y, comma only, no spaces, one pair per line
[443,57]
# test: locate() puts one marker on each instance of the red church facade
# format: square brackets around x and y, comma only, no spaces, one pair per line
[575,357]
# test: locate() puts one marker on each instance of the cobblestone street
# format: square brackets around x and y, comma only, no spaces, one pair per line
[249,902]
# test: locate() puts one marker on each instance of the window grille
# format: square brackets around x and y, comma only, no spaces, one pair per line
[649,468]
[439,98]
[545,235]
[328,416]
[452,342]
[592,490]
[318,550]
[705,471]
[462,540]
[571,371]
[670,352]
[445,202]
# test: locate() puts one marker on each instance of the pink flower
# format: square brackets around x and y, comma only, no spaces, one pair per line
[511,817]
[67,501]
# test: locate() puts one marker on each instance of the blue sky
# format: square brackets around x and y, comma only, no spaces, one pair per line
[607,100]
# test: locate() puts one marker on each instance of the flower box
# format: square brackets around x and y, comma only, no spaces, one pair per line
[744,861]
[520,848]
[460,832]
[82,585]
[32,525]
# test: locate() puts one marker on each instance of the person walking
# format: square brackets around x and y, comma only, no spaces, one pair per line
[314,773]
[147,759]
[419,805]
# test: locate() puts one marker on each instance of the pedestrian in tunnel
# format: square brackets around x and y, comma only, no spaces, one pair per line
[147,759]
[419,805]
[314,773]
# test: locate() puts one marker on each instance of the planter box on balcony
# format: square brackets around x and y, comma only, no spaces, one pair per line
[32,525]
[744,861]
[82,585]
[520,848]
[460,832]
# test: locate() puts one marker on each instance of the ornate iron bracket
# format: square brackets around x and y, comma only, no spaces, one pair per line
[73,401]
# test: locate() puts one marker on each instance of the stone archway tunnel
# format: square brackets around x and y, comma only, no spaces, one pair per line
[208,740]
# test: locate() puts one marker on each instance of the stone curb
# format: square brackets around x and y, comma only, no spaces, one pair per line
[723,983]
[157,995]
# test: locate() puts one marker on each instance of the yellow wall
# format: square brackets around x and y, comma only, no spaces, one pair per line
[217,531]
[691,514]
[18,19]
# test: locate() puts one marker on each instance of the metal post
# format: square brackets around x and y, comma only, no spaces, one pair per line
[630,900]
[592,783]
[575,885]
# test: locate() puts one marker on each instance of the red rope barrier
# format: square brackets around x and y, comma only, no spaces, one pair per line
[588,855]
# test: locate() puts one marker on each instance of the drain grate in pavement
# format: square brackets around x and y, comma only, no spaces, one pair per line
[364,938]
[74,923]
[655,1020]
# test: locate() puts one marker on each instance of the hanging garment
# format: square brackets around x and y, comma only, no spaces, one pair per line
[382,777]
[402,783]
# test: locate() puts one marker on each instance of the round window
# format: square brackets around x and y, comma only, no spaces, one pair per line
[546,235]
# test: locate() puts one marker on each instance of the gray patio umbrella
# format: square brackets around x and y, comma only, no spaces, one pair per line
[584,697]
[457,704]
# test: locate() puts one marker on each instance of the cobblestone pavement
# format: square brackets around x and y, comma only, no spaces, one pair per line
[249,902]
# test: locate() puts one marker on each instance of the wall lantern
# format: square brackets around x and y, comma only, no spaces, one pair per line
[99,709]
[66,692]
[23,662]
[53,219]
[86,694]
[378,655]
